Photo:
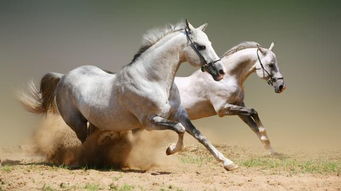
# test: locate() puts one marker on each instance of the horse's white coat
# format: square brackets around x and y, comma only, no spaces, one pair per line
[203,97]
[141,95]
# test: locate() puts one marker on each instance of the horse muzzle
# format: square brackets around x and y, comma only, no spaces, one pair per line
[279,86]
[215,69]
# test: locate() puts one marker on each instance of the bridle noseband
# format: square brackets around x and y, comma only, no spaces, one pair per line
[271,78]
[205,66]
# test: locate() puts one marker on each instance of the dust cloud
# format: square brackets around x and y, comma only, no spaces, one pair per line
[143,150]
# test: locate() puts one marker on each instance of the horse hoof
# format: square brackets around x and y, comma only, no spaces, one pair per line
[231,167]
[171,149]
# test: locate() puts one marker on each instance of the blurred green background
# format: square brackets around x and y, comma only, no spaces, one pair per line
[37,37]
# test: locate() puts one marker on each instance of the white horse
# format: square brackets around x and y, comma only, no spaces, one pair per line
[140,96]
[203,97]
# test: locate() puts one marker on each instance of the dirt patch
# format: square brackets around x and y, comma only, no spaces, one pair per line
[59,144]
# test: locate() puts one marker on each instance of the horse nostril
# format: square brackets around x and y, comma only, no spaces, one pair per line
[280,87]
[221,71]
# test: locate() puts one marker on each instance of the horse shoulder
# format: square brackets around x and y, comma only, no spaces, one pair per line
[141,97]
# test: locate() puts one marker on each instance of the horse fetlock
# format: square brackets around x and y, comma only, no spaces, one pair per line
[261,129]
[264,138]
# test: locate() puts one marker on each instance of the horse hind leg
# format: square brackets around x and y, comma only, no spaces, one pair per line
[70,113]
[78,124]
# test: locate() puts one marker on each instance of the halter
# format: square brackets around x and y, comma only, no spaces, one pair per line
[271,78]
[205,66]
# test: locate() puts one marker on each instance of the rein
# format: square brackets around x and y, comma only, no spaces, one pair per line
[206,66]
[271,78]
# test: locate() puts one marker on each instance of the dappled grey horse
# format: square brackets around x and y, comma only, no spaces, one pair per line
[140,96]
[203,97]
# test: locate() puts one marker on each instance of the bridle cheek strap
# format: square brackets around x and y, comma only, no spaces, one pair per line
[205,66]
[271,79]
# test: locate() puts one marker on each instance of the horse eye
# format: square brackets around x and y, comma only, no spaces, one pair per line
[200,47]
[271,65]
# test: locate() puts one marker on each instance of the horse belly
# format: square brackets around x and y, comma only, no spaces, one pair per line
[115,121]
[109,114]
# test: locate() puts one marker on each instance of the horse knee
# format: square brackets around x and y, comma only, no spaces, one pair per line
[253,112]
[180,128]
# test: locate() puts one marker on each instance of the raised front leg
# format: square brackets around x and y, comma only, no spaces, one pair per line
[230,109]
[160,123]
[251,118]
[228,164]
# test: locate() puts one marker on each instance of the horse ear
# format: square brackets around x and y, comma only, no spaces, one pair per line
[262,50]
[203,27]
[272,46]
[189,26]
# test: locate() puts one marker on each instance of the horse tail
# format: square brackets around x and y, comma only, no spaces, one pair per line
[41,101]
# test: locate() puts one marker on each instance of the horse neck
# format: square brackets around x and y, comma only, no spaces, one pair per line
[161,61]
[241,64]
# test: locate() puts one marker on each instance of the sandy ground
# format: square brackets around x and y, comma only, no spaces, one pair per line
[55,160]
[192,169]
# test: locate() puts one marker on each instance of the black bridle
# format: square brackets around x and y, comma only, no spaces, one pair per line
[271,78]
[206,66]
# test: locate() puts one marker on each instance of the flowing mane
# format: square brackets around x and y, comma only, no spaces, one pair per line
[241,46]
[154,35]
